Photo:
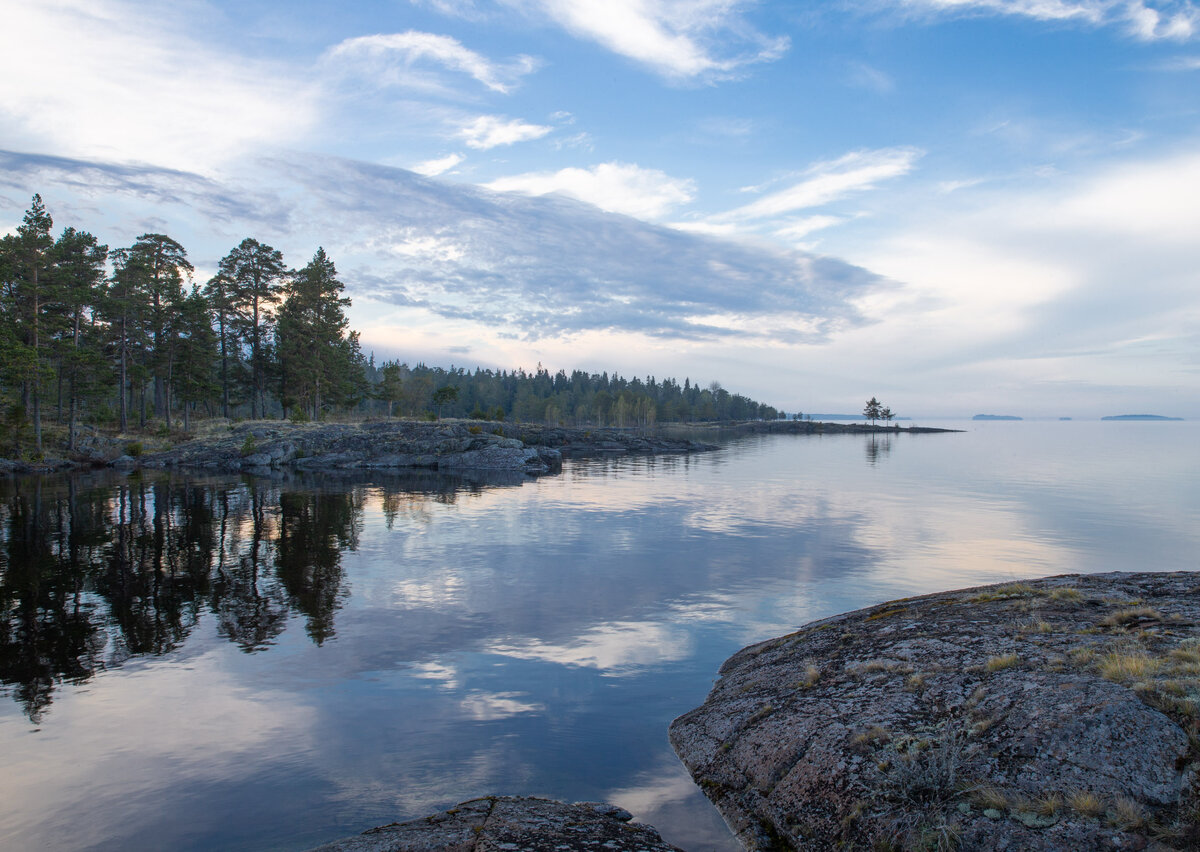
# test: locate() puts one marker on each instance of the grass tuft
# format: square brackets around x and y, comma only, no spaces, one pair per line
[1123,667]
[1085,802]
[1125,617]
[1004,661]
[1068,594]
[1127,813]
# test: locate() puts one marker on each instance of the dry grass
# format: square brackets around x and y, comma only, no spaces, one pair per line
[999,593]
[872,735]
[990,797]
[915,682]
[1082,656]
[1049,805]
[812,674]
[1004,661]
[1125,617]
[1127,813]
[1085,802]
[1127,667]
[1068,594]
[886,613]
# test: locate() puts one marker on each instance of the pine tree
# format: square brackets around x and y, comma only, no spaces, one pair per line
[27,260]
[79,262]
[319,362]
[197,353]
[255,272]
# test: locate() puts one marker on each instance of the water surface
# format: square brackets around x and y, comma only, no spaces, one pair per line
[241,663]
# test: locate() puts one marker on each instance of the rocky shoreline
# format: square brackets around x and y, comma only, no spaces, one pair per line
[1053,714]
[448,446]
[387,445]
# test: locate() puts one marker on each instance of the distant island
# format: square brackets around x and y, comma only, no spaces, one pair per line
[996,417]
[1140,417]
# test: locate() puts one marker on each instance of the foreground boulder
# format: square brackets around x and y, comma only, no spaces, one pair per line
[1057,714]
[511,823]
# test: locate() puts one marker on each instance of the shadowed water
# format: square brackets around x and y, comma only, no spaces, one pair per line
[239,663]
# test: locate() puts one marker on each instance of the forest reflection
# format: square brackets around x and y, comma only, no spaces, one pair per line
[95,570]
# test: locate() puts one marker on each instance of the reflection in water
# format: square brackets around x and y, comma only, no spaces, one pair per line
[308,657]
[97,570]
[878,446]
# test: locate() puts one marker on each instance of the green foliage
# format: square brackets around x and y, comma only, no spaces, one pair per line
[250,445]
[133,449]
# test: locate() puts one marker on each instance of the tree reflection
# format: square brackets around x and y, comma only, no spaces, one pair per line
[95,569]
[48,632]
[314,529]
[878,447]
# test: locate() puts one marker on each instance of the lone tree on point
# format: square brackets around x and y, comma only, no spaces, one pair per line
[873,411]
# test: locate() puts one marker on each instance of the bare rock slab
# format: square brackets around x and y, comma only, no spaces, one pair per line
[1055,714]
[511,823]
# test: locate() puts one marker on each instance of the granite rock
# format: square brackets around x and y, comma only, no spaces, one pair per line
[1055,714]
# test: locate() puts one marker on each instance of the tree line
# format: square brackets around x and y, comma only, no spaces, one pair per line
[127,338]
[577,398]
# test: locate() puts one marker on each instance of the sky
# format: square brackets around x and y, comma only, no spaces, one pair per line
[955,206]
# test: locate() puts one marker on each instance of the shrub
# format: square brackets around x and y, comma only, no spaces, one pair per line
[250,445]
[133,449]
[475,430]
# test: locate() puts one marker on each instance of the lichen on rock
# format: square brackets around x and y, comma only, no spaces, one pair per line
[512,823]
[1055,714]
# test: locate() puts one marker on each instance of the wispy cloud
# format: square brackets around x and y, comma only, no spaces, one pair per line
[864,76]
[615,187]
[440,165]
[491,131]
[830,181]
[1177,20]
[679,39]
[105,79]
[388,59]
[491,264]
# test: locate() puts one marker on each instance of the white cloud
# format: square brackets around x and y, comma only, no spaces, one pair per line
[377,55]
[440,165]
[830,181]
[615,187]
[800,228]
[490,131]
[679,39]
[489,706]
[1176,20]
[614,648]
[105,79]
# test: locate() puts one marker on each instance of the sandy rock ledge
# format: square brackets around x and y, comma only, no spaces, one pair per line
[511,823]
[1057,714]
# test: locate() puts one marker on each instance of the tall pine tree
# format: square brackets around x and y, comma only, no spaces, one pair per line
[254,272]
[320,365]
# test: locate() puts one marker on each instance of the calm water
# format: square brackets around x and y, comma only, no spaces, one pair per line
[231,663]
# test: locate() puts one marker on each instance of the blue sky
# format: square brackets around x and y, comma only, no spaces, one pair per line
[958,206]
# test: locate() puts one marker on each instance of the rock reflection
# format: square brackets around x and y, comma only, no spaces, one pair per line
[97,569]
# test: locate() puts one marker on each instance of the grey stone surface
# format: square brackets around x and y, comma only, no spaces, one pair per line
[511,823]
[455,446]
[1057,714]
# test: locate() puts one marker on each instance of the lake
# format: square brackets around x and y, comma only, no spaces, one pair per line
[239,663]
